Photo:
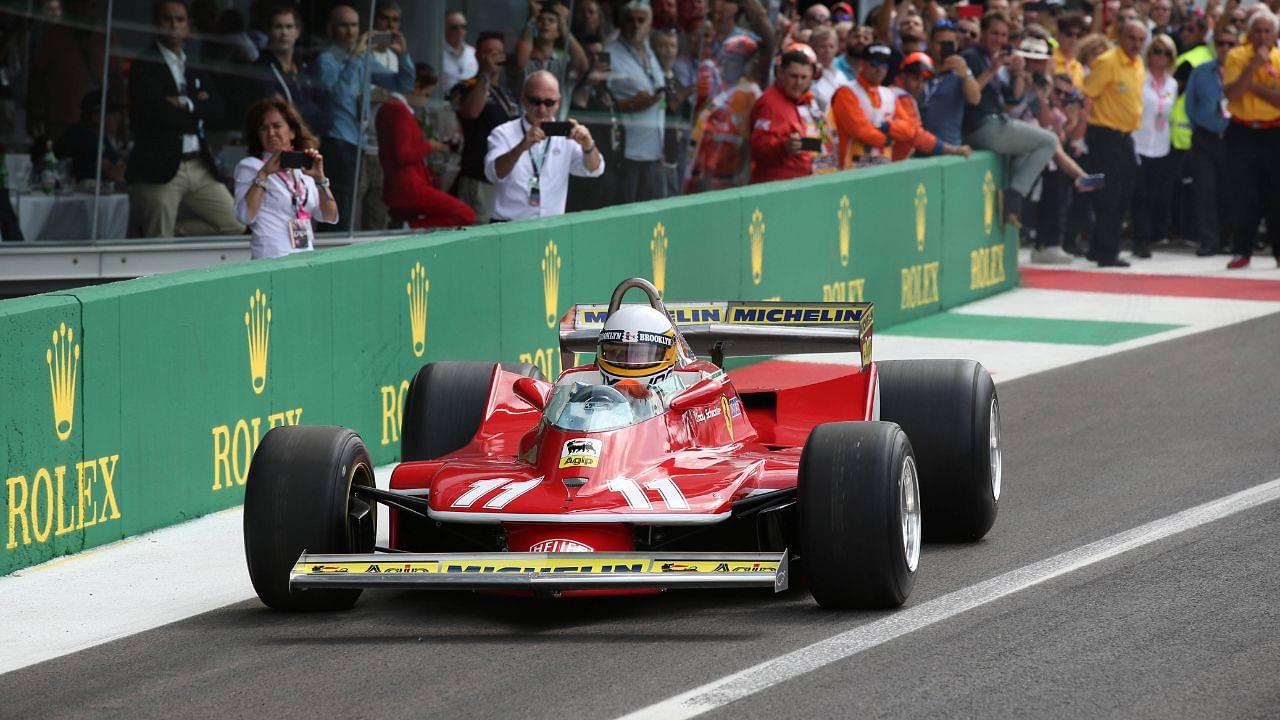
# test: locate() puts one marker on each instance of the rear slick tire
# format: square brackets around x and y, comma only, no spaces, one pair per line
[298,498]
[950,411]
[859,504]
[445,405]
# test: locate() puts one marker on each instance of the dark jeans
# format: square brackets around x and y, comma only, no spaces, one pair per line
[340,166]
[1153,199]
[1254,159]
[1110,152]
[642,180]
[9,228]
[1055,202]
[1208,161]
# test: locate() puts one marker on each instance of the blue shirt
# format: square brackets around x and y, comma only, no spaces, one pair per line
[942,108]
[1204,98]
[344,76]
[996,94]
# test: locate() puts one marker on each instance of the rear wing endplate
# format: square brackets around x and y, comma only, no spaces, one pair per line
[721,329]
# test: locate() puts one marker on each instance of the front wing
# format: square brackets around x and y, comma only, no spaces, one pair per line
[541,571]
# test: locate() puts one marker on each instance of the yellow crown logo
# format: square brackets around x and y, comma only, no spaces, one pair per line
[988,202]
[658,251]
[63,360]
[417,288]
[257,324]
[844,214]
[922,202]
[756,230]
[551,281]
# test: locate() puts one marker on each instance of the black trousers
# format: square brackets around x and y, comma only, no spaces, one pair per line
[1051,214]
[340,166]
[1254,159]
[1207,159]
[1153,199]
[1110,152]
[642,180]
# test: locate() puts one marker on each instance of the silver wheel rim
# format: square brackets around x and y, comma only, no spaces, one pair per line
[993,441]
[909,485]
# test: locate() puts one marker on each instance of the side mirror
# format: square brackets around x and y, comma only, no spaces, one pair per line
[703,393]
[530,391]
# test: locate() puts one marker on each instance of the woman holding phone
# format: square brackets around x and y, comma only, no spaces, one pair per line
[280,185]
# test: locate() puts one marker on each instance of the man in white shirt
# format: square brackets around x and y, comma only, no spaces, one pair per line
[459,62]
[530,171]
[638,85]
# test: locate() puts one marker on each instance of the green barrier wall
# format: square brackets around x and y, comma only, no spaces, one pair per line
[136,405]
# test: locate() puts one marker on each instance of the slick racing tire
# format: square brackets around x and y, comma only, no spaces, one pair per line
[298,498]
[950,411]
[860,516]
[445,406]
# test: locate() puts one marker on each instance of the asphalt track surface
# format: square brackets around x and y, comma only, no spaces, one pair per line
[1187,626]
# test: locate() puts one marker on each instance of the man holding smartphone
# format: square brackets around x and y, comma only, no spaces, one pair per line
[531,158]
[948,92]
[1000,76]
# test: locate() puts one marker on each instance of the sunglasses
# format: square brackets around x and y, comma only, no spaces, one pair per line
[878,63]
[944,25]
[1225,43]
[1160,51]
[545,102]
[458,27]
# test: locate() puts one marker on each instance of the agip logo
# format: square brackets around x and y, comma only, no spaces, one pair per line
[845,216]
[658,252]
[63,360]
[257,324]
[417,288]
[988,202]
[756,231]
[551,281]
[922,204]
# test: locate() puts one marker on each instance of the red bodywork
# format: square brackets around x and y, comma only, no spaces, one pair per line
[744,440]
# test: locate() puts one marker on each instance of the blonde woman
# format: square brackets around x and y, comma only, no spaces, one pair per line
[1157,165]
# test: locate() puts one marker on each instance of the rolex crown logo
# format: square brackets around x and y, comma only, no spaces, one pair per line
[257,324]
[417,289]
[844,214]
[658,251]
[63,360]
[756,230]
[550,281]
[988,202]
[922,202]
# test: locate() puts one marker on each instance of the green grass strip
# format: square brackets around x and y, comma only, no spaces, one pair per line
[965,326]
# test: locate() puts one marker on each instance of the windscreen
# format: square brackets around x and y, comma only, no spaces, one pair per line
[597,408]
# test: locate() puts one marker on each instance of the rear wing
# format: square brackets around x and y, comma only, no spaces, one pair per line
[741,328]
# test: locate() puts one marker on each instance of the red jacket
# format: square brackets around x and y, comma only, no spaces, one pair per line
[402,149]
[774,118]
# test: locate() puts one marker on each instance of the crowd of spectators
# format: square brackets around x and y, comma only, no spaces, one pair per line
[1148,120]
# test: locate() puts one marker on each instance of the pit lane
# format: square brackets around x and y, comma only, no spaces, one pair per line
[1185,627]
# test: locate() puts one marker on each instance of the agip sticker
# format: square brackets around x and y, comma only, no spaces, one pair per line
[580,452]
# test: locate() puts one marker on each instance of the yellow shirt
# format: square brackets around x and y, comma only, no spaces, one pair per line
[1115,85]
[1071,67]
[1250,107]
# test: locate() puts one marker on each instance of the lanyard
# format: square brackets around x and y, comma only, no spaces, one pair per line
[283,84]
[297,191]
[643,63]
[537,170]
[504,99]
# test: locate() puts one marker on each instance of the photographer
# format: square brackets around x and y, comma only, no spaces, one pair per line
[948,92]
[281,185]
[530,167]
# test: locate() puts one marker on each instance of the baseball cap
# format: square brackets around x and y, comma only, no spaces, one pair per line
[1034,49]
[918,63]
[841,11]
[877,53]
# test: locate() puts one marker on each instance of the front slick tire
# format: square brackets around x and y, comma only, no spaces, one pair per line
[859,515]
[298,497]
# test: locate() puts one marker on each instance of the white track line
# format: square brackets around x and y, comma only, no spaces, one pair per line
[754,679]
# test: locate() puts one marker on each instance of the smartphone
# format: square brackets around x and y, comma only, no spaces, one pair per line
[602,58]
[555,128]
[1008,49]
[948,49]
[811,144]
[380,38]
[296,161]
[1092,182]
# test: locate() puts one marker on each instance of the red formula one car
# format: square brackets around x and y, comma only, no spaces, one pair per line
[511,483]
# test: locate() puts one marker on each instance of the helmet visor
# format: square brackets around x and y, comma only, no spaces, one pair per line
[636,351]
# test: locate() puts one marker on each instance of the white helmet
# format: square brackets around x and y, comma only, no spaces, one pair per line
[637,343]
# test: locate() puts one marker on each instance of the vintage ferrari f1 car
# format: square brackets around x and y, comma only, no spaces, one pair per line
[512,483]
